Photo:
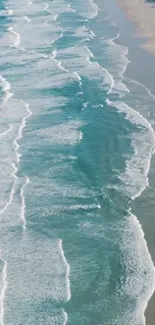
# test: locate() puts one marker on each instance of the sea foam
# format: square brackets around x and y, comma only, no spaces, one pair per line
[134,179]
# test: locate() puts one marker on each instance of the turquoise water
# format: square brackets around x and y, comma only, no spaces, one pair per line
[76,140]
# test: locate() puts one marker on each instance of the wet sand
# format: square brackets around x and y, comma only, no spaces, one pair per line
[142,13]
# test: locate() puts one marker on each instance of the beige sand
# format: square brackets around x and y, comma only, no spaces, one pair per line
[143,15]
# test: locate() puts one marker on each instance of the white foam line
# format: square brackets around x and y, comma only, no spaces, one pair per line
[96,6]
[30,2]
[106,71]
[78,78]
[91,54]
[61,35]
[59,63]
[44,56]
[10,12]
[60,66]
[6,131]
[110,78]
[112,81]
[114,39]
[88,57]
[71,9]
[55,17]
[29,113]
[54,53]
[65,318]
[46,7]
[81,135]
[133,116]
[112,42]
[67,270]
[92,34]
[22,216]
[6,87]
[27,19]
[15,169]
[152,288]
[133,197]
[89,62]
[84,207]
[12,189]
[2,293]
[85,105]
[126,52]
[17,40]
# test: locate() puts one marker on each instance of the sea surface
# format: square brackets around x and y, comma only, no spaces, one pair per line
[76,141]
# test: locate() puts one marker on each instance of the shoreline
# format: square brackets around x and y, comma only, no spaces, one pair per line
[144,21]
[142,50]
[136,33]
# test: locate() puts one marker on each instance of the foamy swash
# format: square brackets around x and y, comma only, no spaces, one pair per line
[41,86]
[6,87]
[135,179]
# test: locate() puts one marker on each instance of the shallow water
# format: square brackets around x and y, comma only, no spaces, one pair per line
[76,144]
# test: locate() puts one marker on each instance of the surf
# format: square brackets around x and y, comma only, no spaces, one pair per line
[68,89]
[23,205]
[3,291]
[16,39]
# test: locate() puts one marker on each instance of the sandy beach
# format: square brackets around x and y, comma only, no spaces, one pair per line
[142,13]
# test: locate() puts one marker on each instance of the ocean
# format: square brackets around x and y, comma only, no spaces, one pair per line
[76,141]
